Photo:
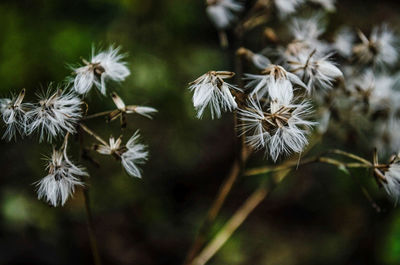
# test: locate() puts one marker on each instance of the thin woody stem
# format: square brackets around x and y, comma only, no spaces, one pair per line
[230,227]
[238,218]
[350,155]
[338,163]
[90,227]
[243,212]
[103,113]
[93,134]
[317,159]
[65,142]
[252,202]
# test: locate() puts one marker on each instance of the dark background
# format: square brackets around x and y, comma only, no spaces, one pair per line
[318,215]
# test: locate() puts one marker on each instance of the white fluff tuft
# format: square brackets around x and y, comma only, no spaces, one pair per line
[279,127]
[209,90]
[287,7]
[105,65]
[13,113]
[55,114]
[60,183]
[223,12]
[135,155]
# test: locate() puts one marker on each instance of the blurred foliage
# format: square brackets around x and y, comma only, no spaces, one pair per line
[317,216]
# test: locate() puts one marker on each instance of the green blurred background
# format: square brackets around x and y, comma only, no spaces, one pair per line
[317,216]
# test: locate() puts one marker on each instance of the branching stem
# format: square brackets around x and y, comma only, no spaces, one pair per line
[317,159]
[350,155]
[93,134]
[99,114]
[230,227]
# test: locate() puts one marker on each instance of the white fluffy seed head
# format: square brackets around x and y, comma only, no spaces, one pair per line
[279,127]
[131,155]
[380,91]
[306,34]
[209,90]
[223,12]
[379,49]
[105,65]
[273,77]
[316,70]
[56,113]
[344,41]
[61,180]
[135,155]
[307,29]
[287,7]
[13,114]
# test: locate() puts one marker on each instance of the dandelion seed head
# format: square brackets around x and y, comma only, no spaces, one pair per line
[344,41]
[131,155]
[134,156]
[316,70]
[114,147]
[103,66]
[210,90]
[56,113]
[379,49]
[306,33]
[378,90]
[307,29]
[223,12]
[13,113]
[278,127]
[287,7]
[61,180]
[273,77]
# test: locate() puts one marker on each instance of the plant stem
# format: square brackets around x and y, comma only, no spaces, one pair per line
[103,113]
[243,212]
[317,159]
[92,133]
[225,233]
[90,227]
[257,197]
[350,155]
